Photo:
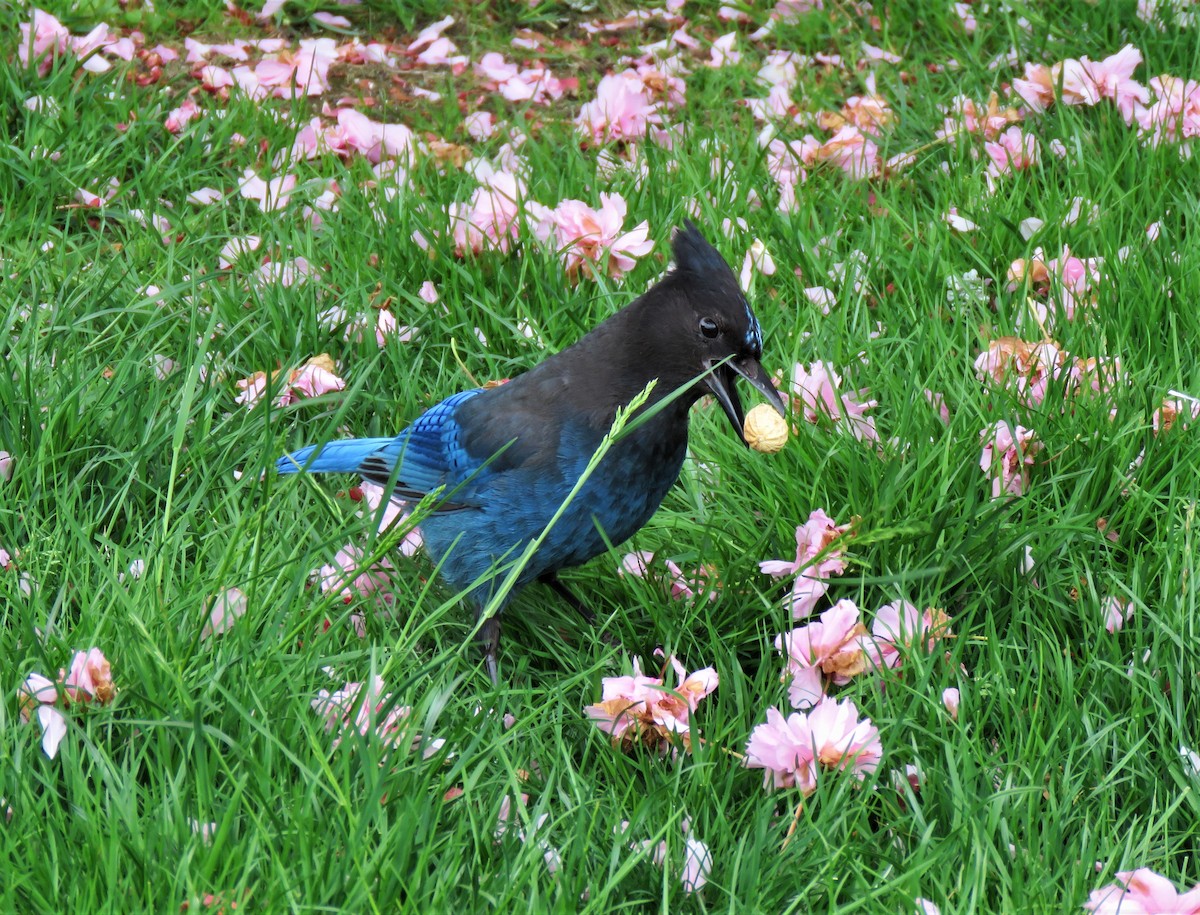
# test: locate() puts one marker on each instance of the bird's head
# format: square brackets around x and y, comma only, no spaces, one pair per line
[712,327]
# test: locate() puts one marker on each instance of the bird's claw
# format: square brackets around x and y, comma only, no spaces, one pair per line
[489,638]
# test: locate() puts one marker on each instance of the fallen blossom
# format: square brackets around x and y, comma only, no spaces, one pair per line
[430,34]
[777,105]
[697,865]
[899,626]
[1030,227]
[784,748]
[1036,87]
[224,610]
[205,196]
[394,512]
[621,111]
[178,118]
[822,297]
[312,379]
[37,697]
[958,223]
[97,200]
[1174,115]
[682,586]
[1112,79]
[490,219]
[375,140]
[873,53]
[1116,612]
[442,52]
[480,125]
[640,709]
[270,194]
[1012,151]
[347,577]
[964,116]
[331,20]
[817,390]
[1081,208]
[1142,892]
[289,73]
[205,831]
[1172,411]
[380,323]
[841,740]
[25,581]
[214,79]
[697,856]
[870,114]
[910,777]
[758,260]
[284,272]
[162,366]
[364,708]
[1163,13]
[788,163]
[1191,761]
[236,248]
[852,151]
[724,51]
[833,647]
[42,40]
[831,735]
[951,699]
[88,679]
[1028,369]
[815,562]
[1007,456]
[586,238]
[534,84]
[41,104]
[937,400]
[6,466]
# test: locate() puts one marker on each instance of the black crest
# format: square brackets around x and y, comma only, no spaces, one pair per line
[695,255]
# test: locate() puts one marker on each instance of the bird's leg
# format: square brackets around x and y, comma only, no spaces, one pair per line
[552,581]
[489,640]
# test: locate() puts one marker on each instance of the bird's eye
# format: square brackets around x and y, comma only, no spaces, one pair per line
[709,328]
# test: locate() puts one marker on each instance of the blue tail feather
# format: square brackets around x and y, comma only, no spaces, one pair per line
[333,457]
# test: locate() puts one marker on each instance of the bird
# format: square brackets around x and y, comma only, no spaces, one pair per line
[502,460]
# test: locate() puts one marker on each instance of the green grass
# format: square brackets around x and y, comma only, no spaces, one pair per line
[1067,749]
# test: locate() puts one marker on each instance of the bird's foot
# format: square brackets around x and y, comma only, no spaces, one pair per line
[489,640]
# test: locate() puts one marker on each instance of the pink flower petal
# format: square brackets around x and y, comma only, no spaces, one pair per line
[54,729]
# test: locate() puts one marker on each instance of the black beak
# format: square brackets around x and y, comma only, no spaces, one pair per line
[721,382]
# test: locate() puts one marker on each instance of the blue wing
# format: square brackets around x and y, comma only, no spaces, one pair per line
[426,455]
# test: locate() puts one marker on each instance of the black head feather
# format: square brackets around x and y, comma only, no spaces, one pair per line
[693,254]
[710,287]
[692,331]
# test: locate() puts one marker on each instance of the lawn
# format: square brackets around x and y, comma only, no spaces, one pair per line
[226,233]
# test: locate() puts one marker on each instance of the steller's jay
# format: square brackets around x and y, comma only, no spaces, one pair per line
[508,456]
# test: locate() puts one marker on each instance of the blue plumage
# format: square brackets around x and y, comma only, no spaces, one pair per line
[334,457]
[506,458]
